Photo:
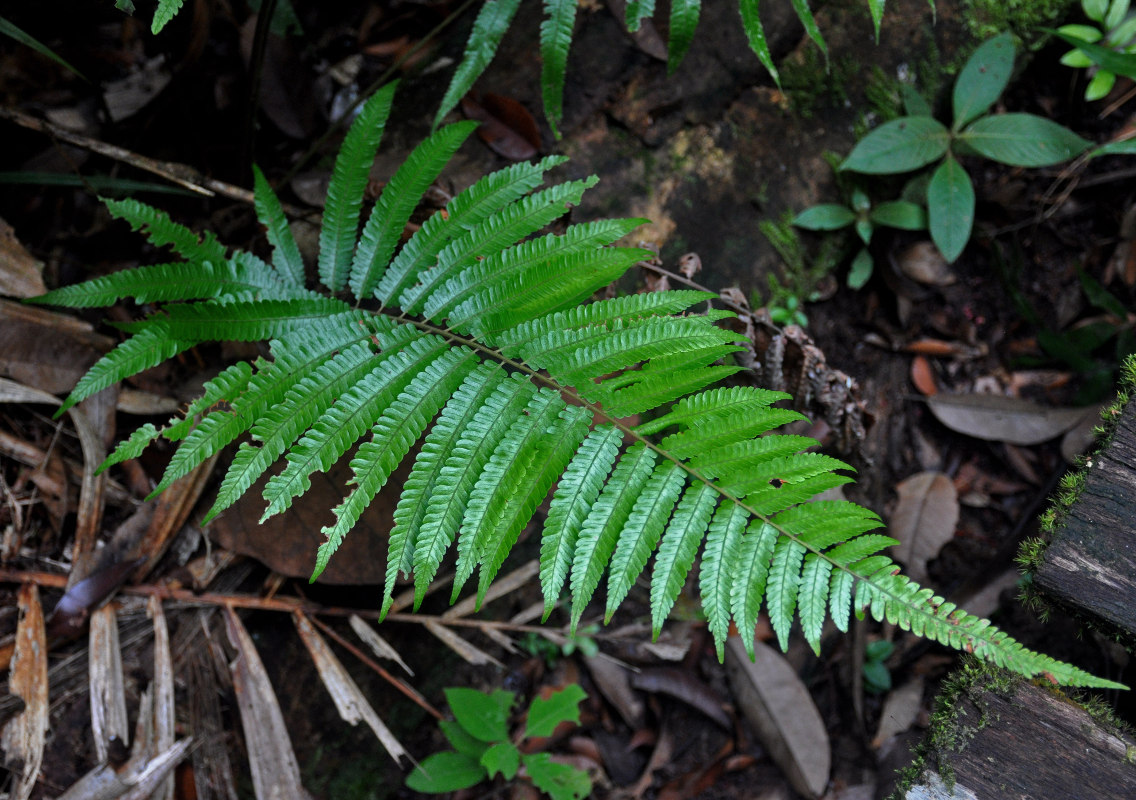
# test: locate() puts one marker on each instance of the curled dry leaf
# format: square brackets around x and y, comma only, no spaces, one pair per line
[782,713]
[996,418]
[24,735]
[345,693]
[21,275]
[272,762]
[923,376]
[507,127]
[924,520]
[379,646]
[923,263]
[614,683]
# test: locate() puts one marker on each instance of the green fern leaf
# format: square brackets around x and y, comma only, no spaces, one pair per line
[555,39]
[637,11]
[813,597]
[285,253]
[606,518]
[467,211]
[148,348]
[397,202]
[784,582]
[807,19]
[684,20]
[164,232]
[840,598]
[491,23]
[719,562]
[755,33]
[577,490]
[737,401]
[641,532]
[396,429]
[678,548]
[345,191]
[131,447]
[876,7]
[406,551]
[164,13]
[653,389]
[751,577]
[501,230]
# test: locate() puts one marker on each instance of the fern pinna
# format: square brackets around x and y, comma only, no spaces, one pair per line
[477,339]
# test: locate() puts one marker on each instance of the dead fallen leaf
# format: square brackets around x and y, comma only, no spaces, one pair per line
[163,688]
[923,263]
[690,265]
[24,735]
[782,713]
[923,376]
[21,275]
[345,693]
[901,708]
[924,520]
[474,655]
[996,418]
[614,682]
[272,762]
[379,646]
[683,686]
[507,127]
[135,780]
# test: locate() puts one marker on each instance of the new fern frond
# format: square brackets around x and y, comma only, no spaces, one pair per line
[476,346]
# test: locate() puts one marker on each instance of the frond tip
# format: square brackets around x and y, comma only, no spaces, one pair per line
[489,368]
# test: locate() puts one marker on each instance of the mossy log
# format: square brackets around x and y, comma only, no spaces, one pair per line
[1024,741]
[1090,565]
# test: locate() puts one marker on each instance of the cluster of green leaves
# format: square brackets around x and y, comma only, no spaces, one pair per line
[476,339]
[479,734]
[864,217]
[915,141]
[1114,30]
[556,32]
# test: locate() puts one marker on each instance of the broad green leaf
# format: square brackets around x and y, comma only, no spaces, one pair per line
[825,217]
[1023,140]
[1117,11]
[485,717]
[547,713]
[755,34]
[503,758]
[1095,9]
[1124,147]
[558,781]
[445,772]
[461,740]
[901,145]
[861,270]
[914,103]
[684,19]
[491,23]
[983,78]
[950,208]
[1106,57]
[900,214]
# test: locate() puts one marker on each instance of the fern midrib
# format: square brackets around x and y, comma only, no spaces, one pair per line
[599,416]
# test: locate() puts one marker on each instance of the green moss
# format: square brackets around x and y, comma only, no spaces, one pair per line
[986,18]
[811,83]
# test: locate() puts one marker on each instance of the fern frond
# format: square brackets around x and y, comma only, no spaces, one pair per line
[719,561]
[285,253]
[637,11]
[132,446]
[164,232]
[684,20]
[784,582]
[491,23]
[345,191]
[714,404]
[466,211]
[164,13]
[148,348]
[751,577]
[678,548]
[806,16]
[252,321]
[814,596]
[501,230]
[876,8]
[399,198]
[555,39]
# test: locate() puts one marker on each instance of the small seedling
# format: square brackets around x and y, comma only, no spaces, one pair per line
[864,218]
[918,140]
[877,677]
[482,750]
[1115,30]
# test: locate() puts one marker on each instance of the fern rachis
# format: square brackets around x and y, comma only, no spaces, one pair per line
[481,347]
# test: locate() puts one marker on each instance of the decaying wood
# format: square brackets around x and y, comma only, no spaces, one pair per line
[107,689]
[1029,742]
[1091,563]
[24,736]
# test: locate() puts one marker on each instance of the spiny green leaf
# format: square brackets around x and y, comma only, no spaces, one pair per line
[285,253]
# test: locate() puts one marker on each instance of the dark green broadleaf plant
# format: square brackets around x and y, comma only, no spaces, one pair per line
[475,350]
[919,140]
[479,735]
[864,217]
[1115,30]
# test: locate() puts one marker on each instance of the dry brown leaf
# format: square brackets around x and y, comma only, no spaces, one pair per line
[21,275]
[614,683]
[345,693]
[901,708]
[923,263]
[467,651]
[923,376]
[275,772]
[923,521]
[507,127]
[24,735]
[995,418]
[108,694]
[683,686]
[379,646]
[782,713]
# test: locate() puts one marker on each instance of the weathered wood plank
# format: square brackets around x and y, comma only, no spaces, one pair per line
[1091,563]
[1026,743]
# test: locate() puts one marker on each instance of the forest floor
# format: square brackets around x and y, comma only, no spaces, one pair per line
[707,155]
